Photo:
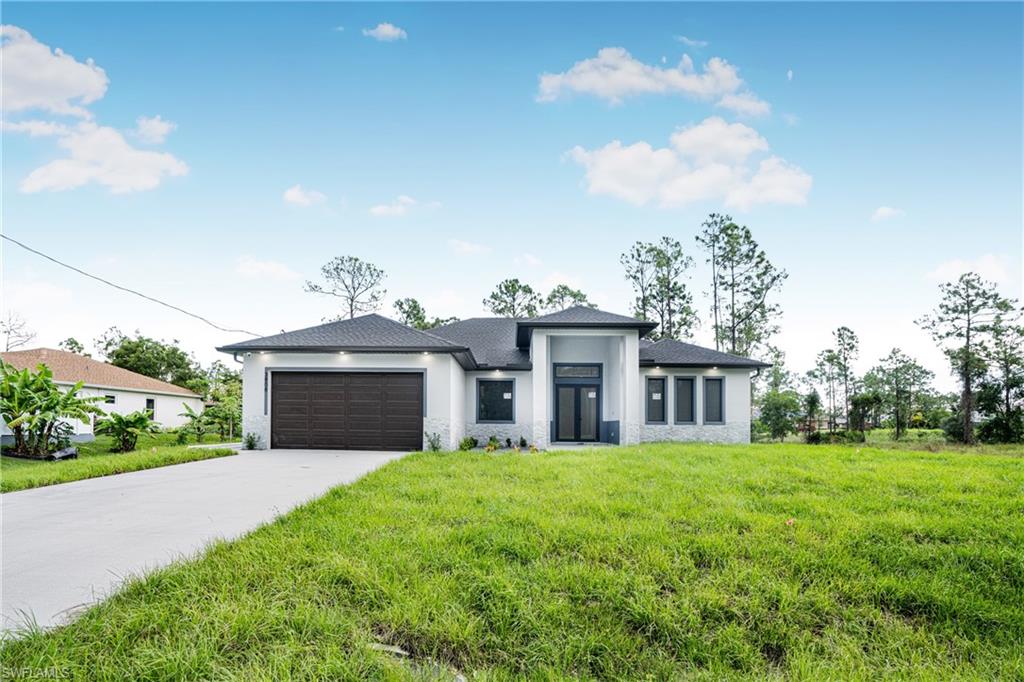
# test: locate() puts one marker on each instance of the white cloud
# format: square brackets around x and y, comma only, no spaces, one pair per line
[885,213]
[691,42]
[789,75]
[401,206]
[252,267]
[100,154]
[339,29]
[36,128]
[468,248]
[297,196]
[527,259]
[34,77]
[745,103]
[385,32]
[710,161]
[153,130]
[614,74]
[989,266]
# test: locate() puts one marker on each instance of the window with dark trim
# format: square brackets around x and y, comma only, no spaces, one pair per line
[577,371]
[151,406]
[495,400]
[685,395]
[655,400]
[714,403]
[110,399]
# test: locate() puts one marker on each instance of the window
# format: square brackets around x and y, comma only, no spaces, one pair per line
[684,400]
[110,399]
[714,407]
[151,406]
[656,400]
[495,400]
[577,371]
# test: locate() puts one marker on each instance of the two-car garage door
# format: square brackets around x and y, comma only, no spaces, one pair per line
[347,410]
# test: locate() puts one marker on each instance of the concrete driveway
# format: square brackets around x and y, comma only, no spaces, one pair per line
[67,546]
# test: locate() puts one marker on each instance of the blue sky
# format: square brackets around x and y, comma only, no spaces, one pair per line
[914,109]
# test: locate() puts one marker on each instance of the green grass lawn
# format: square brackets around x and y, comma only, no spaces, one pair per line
[95,459]
[661,561]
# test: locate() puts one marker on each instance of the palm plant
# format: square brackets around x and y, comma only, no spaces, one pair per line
[125,429]
[197,421]
[32,406]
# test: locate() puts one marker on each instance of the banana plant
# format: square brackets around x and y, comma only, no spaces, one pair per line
[197,421]
[126,429]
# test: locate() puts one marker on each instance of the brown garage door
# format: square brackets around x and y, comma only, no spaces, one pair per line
[346,410]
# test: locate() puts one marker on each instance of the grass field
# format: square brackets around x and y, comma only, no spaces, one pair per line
[95,459]
[660,561]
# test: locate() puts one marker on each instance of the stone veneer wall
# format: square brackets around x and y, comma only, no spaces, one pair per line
[484,431]
[731,432]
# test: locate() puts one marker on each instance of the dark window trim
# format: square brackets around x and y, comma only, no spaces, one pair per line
[675,396]
[704,399]
[476,393]
[109,398]
[664,398]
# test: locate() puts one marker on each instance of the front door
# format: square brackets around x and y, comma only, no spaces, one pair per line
[577,415]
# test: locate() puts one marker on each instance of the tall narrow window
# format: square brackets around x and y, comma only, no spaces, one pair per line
[684,400]
[495,400]
[714,406]
[151,407]
[655,400]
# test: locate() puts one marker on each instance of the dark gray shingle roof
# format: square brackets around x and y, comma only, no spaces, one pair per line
[369,332]
[491,340]
[672,353]
[579,316]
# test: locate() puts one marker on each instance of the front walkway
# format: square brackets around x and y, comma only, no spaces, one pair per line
[66,546]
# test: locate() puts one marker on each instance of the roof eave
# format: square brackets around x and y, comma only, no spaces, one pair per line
[342,349]
[698,365]
[524,329]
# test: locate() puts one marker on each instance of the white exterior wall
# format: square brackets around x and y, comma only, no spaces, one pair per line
[736,428]
[522,411]
[439,379]
[167,409]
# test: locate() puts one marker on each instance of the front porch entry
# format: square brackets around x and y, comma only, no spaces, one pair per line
[577,403]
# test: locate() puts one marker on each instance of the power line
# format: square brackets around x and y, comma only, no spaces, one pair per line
[127,290]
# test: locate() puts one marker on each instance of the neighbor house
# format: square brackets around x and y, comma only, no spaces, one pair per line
[122,390]
[580,375]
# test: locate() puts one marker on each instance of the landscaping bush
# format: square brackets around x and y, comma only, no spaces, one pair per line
[434,442]
[180,437]
[522,442]
[125,429]
[813,437]
[467,443]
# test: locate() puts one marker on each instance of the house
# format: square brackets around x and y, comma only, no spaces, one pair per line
[123,391]
[575,376]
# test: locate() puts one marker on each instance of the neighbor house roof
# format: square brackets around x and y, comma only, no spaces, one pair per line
[577,317]
[672,353]
[367,333]
[70,368]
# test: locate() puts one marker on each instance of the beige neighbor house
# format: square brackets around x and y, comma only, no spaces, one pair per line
[123,391]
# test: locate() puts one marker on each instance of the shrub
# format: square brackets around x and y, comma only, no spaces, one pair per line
[60,437]
[252,442]
[522,442]
[467,443]
[813,437]
[434,442]
[180,437]
[125,429]
[493,442]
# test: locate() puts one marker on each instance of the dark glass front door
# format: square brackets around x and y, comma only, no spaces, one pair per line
[577,413]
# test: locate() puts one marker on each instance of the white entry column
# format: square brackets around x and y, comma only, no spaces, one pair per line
[541,388]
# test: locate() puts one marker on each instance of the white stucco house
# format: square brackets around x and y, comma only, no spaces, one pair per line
[575,376]
[123,391]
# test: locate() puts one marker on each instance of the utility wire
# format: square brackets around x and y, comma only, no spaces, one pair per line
[127,290]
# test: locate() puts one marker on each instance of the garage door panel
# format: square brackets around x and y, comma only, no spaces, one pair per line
[347,410]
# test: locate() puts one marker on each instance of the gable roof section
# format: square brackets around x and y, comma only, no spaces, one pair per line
[367,333]
[672,353]
[70,368]
[579,317]
[489,339]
